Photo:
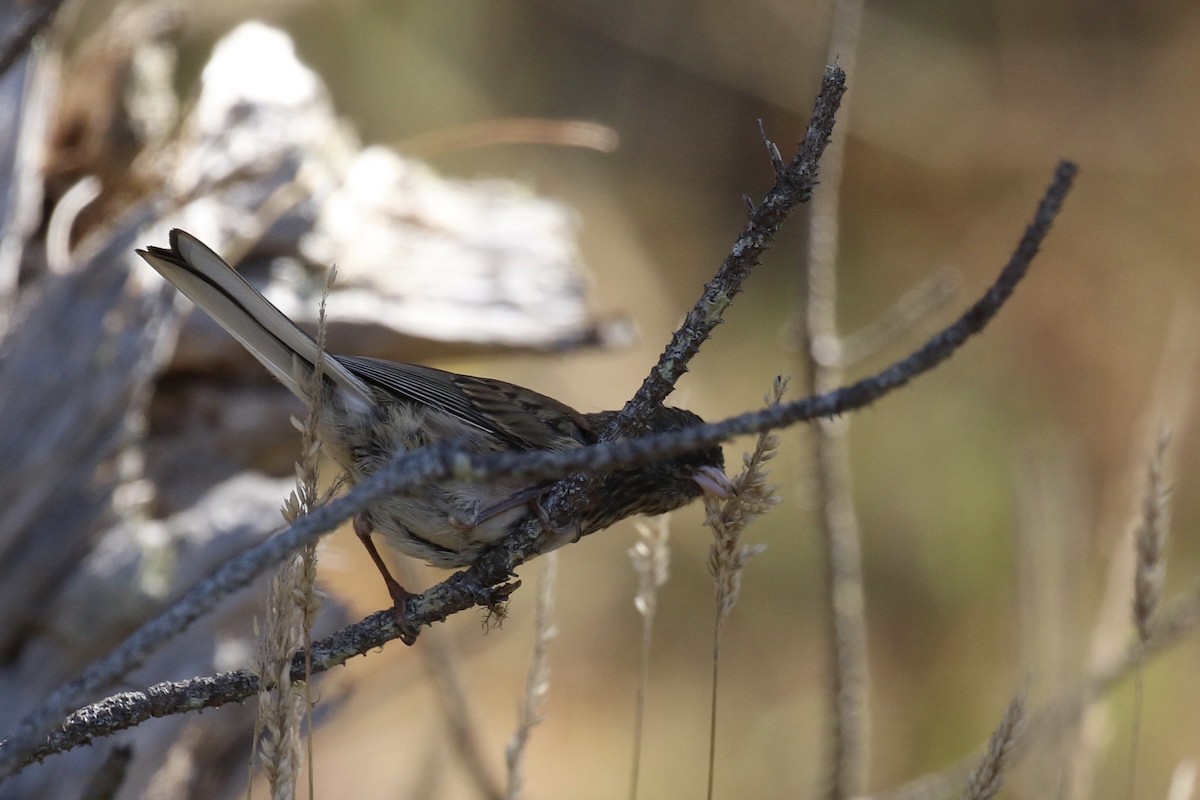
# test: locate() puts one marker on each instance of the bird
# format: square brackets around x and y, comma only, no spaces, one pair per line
[369,409]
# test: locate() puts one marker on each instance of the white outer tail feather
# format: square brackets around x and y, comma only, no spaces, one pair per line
[266,332]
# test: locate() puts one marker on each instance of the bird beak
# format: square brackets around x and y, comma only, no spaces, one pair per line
[715,482]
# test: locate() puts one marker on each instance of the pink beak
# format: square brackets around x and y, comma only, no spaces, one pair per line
[714,482]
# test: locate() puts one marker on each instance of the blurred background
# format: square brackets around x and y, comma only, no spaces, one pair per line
[994,494]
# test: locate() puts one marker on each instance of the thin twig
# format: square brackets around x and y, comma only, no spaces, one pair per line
[492,132]
[845,622]
[477,586]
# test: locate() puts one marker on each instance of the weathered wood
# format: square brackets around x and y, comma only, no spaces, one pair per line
[130,468]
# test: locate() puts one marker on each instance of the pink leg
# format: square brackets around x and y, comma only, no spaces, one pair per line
[527,497]
[400,596]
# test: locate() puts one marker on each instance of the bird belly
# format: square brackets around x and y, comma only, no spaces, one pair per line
[439,522]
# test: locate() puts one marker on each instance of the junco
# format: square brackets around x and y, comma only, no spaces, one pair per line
[371,408]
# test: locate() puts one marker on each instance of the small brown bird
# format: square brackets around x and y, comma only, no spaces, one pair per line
[372,408]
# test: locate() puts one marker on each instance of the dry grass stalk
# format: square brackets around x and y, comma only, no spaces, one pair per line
[825,357]
[537,681]
[1150,539]
[1150,572]
[752,498]
[987,778]
[278,707]
[727,519]
[1060,716]
[1172,399]
[292,606]
[651,558]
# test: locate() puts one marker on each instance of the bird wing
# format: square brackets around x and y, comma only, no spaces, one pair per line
[517,416]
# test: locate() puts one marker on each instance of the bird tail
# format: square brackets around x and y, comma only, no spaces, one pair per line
[286,351]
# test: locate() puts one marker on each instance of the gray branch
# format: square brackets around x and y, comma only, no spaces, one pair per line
[477,585]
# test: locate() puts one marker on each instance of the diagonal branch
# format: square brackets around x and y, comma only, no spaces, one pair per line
[793,185]
[475,586]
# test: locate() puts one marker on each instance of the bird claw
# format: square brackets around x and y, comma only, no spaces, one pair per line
[500,594]
[400,598]
[555,535]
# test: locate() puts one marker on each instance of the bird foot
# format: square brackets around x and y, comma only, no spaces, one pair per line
[400,598]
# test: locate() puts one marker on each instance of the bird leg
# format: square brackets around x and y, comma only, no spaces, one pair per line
[531,497]
[400,596]
[528,496]
[555,536]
